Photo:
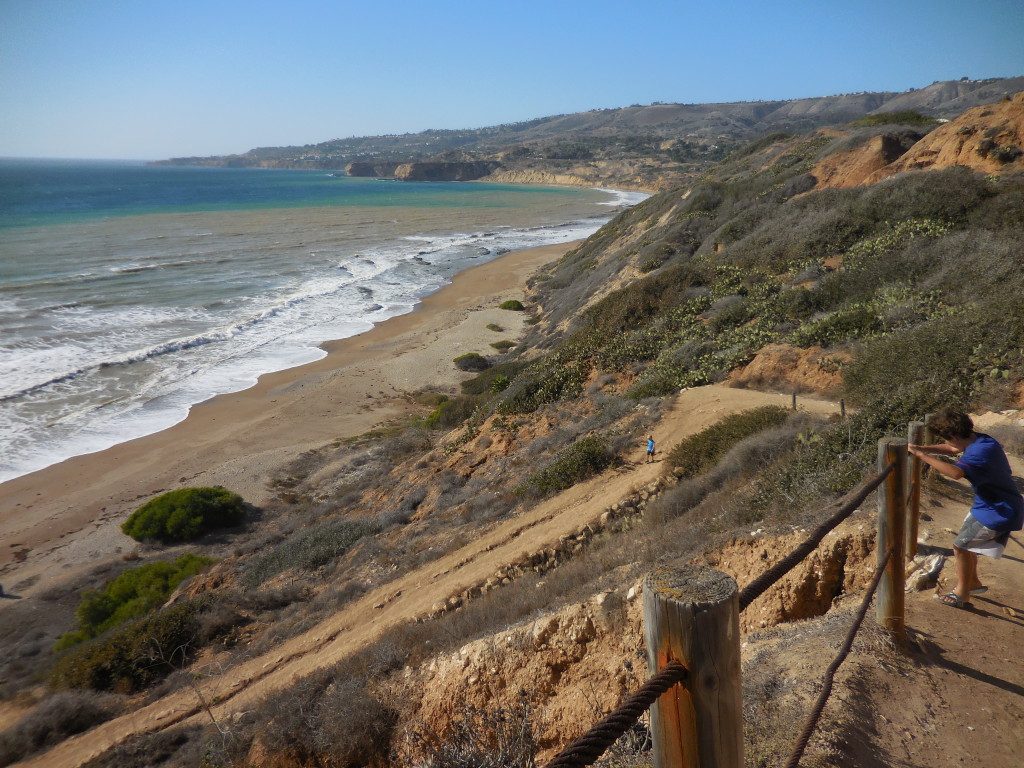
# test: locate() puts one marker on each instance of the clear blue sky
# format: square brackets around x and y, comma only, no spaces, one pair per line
[146,79]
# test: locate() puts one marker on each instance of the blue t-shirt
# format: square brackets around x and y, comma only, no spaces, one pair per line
[997,502]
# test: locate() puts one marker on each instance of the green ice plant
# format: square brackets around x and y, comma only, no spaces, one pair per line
[860,253]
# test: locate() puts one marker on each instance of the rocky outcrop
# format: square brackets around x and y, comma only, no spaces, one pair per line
[852,168]
[379,170]
[439,171]
[537,177]
[785,367]
[575,664]
[989,139]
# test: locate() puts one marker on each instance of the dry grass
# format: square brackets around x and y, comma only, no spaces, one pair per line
[55,719]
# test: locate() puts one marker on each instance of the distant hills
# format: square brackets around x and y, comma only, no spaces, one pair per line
[642,146]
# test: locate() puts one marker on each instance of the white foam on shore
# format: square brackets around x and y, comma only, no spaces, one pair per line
[347,298]
[623,197]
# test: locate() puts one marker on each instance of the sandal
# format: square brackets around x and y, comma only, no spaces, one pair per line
[953,600]
[979,590]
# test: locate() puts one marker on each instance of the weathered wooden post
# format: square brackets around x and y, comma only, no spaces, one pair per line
[794,401]
[915,434]
[842,409]
[691,615]
[892,498]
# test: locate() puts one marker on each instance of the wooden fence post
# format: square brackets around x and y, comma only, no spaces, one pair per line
[794,401]
[691,615]
[915,434]
[842,409]
[892,498]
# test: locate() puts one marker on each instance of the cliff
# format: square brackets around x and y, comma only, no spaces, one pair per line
[989,139]
[441,171]
[536,177]
[378,170]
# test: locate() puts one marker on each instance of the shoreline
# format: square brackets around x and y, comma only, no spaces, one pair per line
[66,517]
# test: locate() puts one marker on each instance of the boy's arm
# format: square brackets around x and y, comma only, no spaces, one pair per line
[947,469]
[939,448]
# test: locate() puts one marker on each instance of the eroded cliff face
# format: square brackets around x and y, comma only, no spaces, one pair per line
[575,665]
[503,176]
[853,168]
[784,367]
[443,171]
[989,139]
[364,169]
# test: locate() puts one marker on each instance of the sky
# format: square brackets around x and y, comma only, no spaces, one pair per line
[152,79]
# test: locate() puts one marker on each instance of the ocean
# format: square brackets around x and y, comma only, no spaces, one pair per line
[129,293]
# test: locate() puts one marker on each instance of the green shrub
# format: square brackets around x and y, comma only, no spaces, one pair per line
[494,327]
[185,514]
[451,413]
[584,458]
[701,452]
[484,382]
[502,345]
[471,361]
[856,322]
[942,360]
[133,655]
[512,304]
[134,593]
[544,382]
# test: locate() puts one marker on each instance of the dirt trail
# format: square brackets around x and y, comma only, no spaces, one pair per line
[414,594]
[970,709]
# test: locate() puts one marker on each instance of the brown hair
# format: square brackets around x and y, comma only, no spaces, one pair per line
[950,422]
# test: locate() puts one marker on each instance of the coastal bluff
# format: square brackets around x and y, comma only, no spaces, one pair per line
[424,171]
[442,171]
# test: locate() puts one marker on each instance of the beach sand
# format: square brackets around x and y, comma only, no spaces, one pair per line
[66,518]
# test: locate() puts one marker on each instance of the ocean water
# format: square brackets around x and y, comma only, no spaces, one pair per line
[129,293]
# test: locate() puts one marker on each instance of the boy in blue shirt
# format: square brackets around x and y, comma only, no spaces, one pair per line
[998,506]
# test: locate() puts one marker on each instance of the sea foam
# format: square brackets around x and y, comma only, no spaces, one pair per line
[185,309]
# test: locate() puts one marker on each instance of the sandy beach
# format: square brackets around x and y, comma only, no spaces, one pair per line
[67,517]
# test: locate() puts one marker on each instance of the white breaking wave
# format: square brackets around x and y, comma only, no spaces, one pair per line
[108,376]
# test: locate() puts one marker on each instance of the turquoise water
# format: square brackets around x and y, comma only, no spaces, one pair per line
[34,193]
[129,293]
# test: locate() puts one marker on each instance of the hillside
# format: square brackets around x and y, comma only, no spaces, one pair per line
[648,147]
[462,578]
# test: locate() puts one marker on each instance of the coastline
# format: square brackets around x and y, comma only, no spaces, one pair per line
[59,520]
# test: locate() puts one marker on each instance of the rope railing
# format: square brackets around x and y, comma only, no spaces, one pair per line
[589,747]
[762,583]
[830,673]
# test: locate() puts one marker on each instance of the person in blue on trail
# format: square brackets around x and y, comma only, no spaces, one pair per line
[998,507]
[650,448]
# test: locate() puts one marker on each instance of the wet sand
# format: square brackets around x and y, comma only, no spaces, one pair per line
[67,517]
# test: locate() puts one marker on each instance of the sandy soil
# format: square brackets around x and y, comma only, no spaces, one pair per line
[64,518]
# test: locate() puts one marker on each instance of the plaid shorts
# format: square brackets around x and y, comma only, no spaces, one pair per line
[977,538]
